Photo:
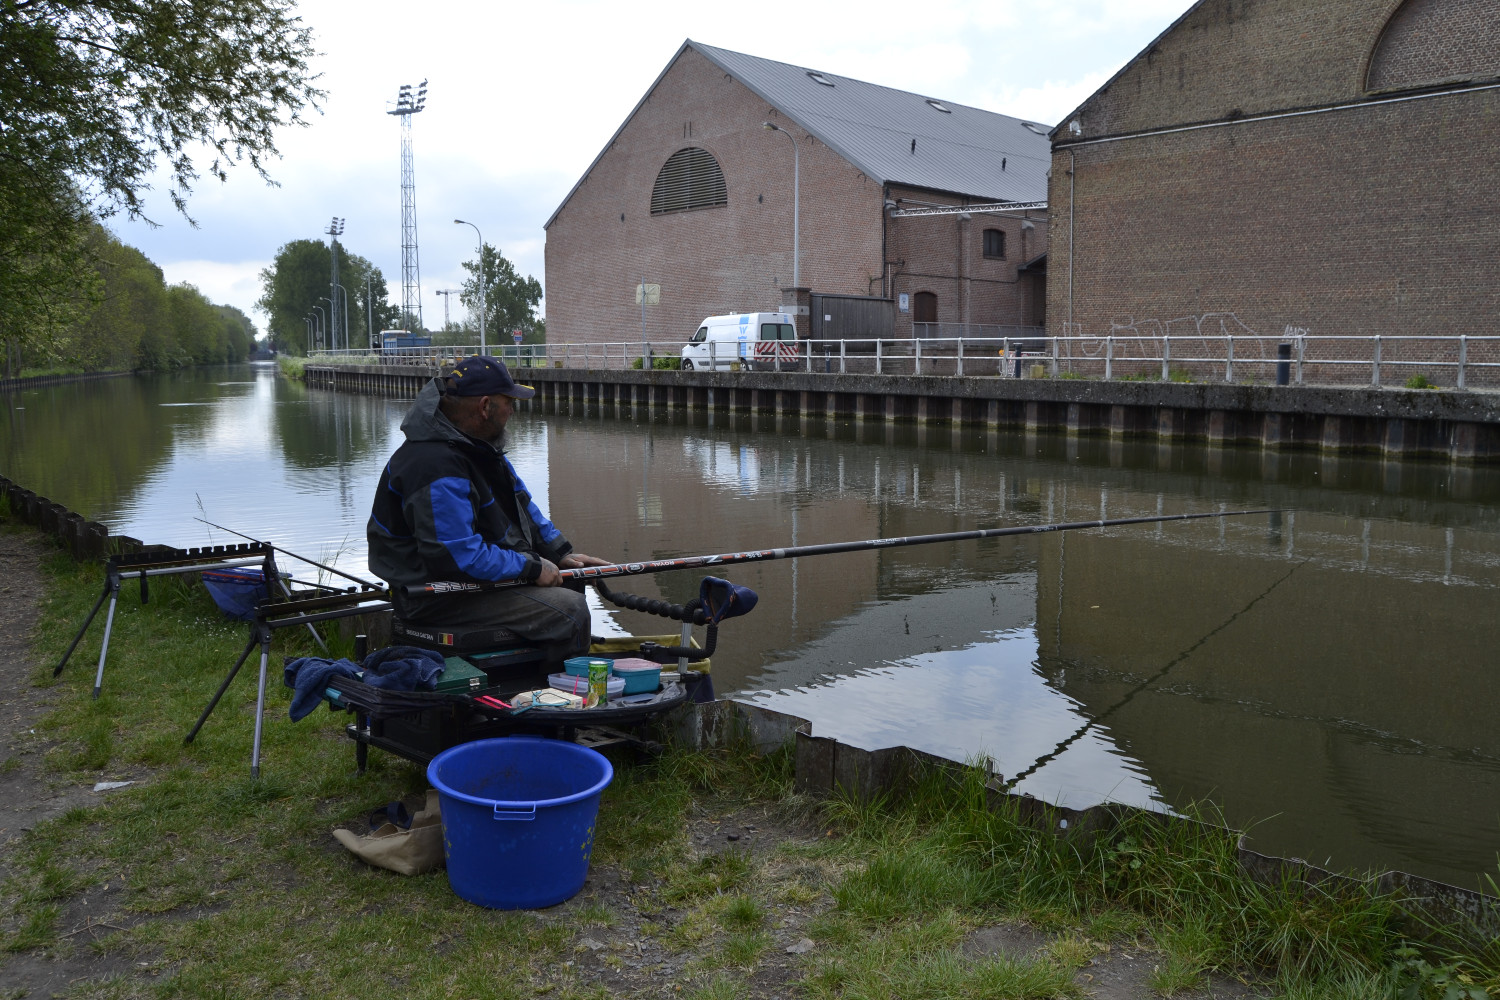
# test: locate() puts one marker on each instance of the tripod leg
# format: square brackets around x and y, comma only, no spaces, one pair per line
[260,701]
[109,622]
[79,637]
[214,701]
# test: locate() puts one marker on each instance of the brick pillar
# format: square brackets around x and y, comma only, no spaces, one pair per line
[797,302]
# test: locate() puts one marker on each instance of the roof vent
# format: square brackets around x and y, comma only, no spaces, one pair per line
[1039,130]
[819,78]
[939,106]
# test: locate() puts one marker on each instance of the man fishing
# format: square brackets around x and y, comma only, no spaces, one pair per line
[450,507]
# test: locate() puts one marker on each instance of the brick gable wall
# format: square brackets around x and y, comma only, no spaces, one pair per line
[1379,219]
[710,261]
[737,258]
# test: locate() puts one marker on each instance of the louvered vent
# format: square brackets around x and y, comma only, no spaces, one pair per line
[690,179]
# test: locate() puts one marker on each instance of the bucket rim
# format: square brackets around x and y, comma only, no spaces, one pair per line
[476,800]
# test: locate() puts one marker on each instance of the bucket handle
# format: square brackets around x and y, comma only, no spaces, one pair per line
[518,814]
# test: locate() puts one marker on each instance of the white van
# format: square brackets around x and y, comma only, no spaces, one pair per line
[754,340]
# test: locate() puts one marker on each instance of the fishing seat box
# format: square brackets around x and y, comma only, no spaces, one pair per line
[426,733]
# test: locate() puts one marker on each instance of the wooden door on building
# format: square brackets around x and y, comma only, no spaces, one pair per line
[924,308]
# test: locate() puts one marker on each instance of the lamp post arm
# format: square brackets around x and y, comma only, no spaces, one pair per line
[480,238]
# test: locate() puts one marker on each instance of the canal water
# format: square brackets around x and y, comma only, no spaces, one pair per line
[1326,676]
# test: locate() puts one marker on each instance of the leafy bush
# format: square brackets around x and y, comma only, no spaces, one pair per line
[659,363]
[1419,381]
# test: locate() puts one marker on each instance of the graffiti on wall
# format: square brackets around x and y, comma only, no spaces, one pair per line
[1204,337]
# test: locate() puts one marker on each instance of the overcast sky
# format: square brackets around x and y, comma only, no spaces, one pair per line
[522,97]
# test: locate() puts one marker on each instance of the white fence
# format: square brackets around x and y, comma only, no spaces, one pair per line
[1460,362]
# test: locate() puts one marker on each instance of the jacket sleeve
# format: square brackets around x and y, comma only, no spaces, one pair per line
[442,517]
[552,545]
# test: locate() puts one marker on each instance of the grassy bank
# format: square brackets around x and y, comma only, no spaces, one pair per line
[292,366]
[200,882]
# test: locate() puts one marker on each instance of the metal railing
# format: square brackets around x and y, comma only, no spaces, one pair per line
[975,331]
[1460,361]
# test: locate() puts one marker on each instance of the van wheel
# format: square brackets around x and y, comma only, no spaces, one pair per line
[687,364]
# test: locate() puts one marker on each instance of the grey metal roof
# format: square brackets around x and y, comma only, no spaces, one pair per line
[872,127]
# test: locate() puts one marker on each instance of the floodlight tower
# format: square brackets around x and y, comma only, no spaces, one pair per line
[408,104]
[335,230]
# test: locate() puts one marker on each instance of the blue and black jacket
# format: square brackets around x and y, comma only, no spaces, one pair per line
[451,508]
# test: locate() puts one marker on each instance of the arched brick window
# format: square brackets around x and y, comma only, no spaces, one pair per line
[1429,42]
[690,179]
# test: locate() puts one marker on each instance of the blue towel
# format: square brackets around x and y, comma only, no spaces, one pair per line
[395,668]
[403,668]
[308,676]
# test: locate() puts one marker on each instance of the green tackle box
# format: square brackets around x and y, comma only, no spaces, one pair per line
[459,676]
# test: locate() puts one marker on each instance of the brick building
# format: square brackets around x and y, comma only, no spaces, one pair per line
[1284,168]
[695,195]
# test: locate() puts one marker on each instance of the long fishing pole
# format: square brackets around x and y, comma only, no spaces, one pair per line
[278,548]
[799,551]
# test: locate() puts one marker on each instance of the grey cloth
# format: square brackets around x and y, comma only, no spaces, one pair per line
[555,618]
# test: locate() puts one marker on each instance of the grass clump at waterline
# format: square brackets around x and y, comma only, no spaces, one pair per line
[292,366]
[209,883]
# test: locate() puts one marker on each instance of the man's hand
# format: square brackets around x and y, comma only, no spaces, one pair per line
[577,560]
[548,576]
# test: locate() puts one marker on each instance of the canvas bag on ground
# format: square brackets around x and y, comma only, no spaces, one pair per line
[412,851]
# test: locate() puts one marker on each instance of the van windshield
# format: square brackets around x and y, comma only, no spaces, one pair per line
[700,336]
[778,331]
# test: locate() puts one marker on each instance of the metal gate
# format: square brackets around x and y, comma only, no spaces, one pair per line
[852,317]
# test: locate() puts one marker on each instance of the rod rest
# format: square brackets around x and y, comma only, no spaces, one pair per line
[692,613]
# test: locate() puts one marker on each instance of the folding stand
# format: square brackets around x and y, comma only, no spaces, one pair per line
[270,616]
[162,563]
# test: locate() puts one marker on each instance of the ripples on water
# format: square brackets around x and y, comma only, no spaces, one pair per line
[1331,668]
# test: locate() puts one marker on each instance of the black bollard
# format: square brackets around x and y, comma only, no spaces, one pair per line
[1283,364]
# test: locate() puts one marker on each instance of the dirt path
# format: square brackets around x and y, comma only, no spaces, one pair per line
[29,794]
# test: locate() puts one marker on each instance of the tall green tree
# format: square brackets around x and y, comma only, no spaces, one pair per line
[297,279]
[96,95]
[510,300]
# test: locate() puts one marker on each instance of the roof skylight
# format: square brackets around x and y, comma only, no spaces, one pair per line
[939,106]
[1038,129]
[819,78]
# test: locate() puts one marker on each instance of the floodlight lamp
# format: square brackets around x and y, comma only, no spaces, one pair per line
[771,125]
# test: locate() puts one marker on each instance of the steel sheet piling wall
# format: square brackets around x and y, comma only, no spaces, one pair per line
[1458,426]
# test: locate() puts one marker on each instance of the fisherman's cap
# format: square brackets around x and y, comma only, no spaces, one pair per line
[482,375]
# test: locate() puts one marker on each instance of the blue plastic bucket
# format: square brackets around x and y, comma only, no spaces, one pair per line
[518,818]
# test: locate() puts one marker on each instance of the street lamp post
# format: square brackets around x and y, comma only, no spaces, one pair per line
[344,297]
[309,322]
[461,222]
[322,324]
[335,230]
[796,198]
[369,312]
[333,312]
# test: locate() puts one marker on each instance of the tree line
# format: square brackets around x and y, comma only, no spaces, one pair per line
[101,100]
[297,296]
[120,315]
